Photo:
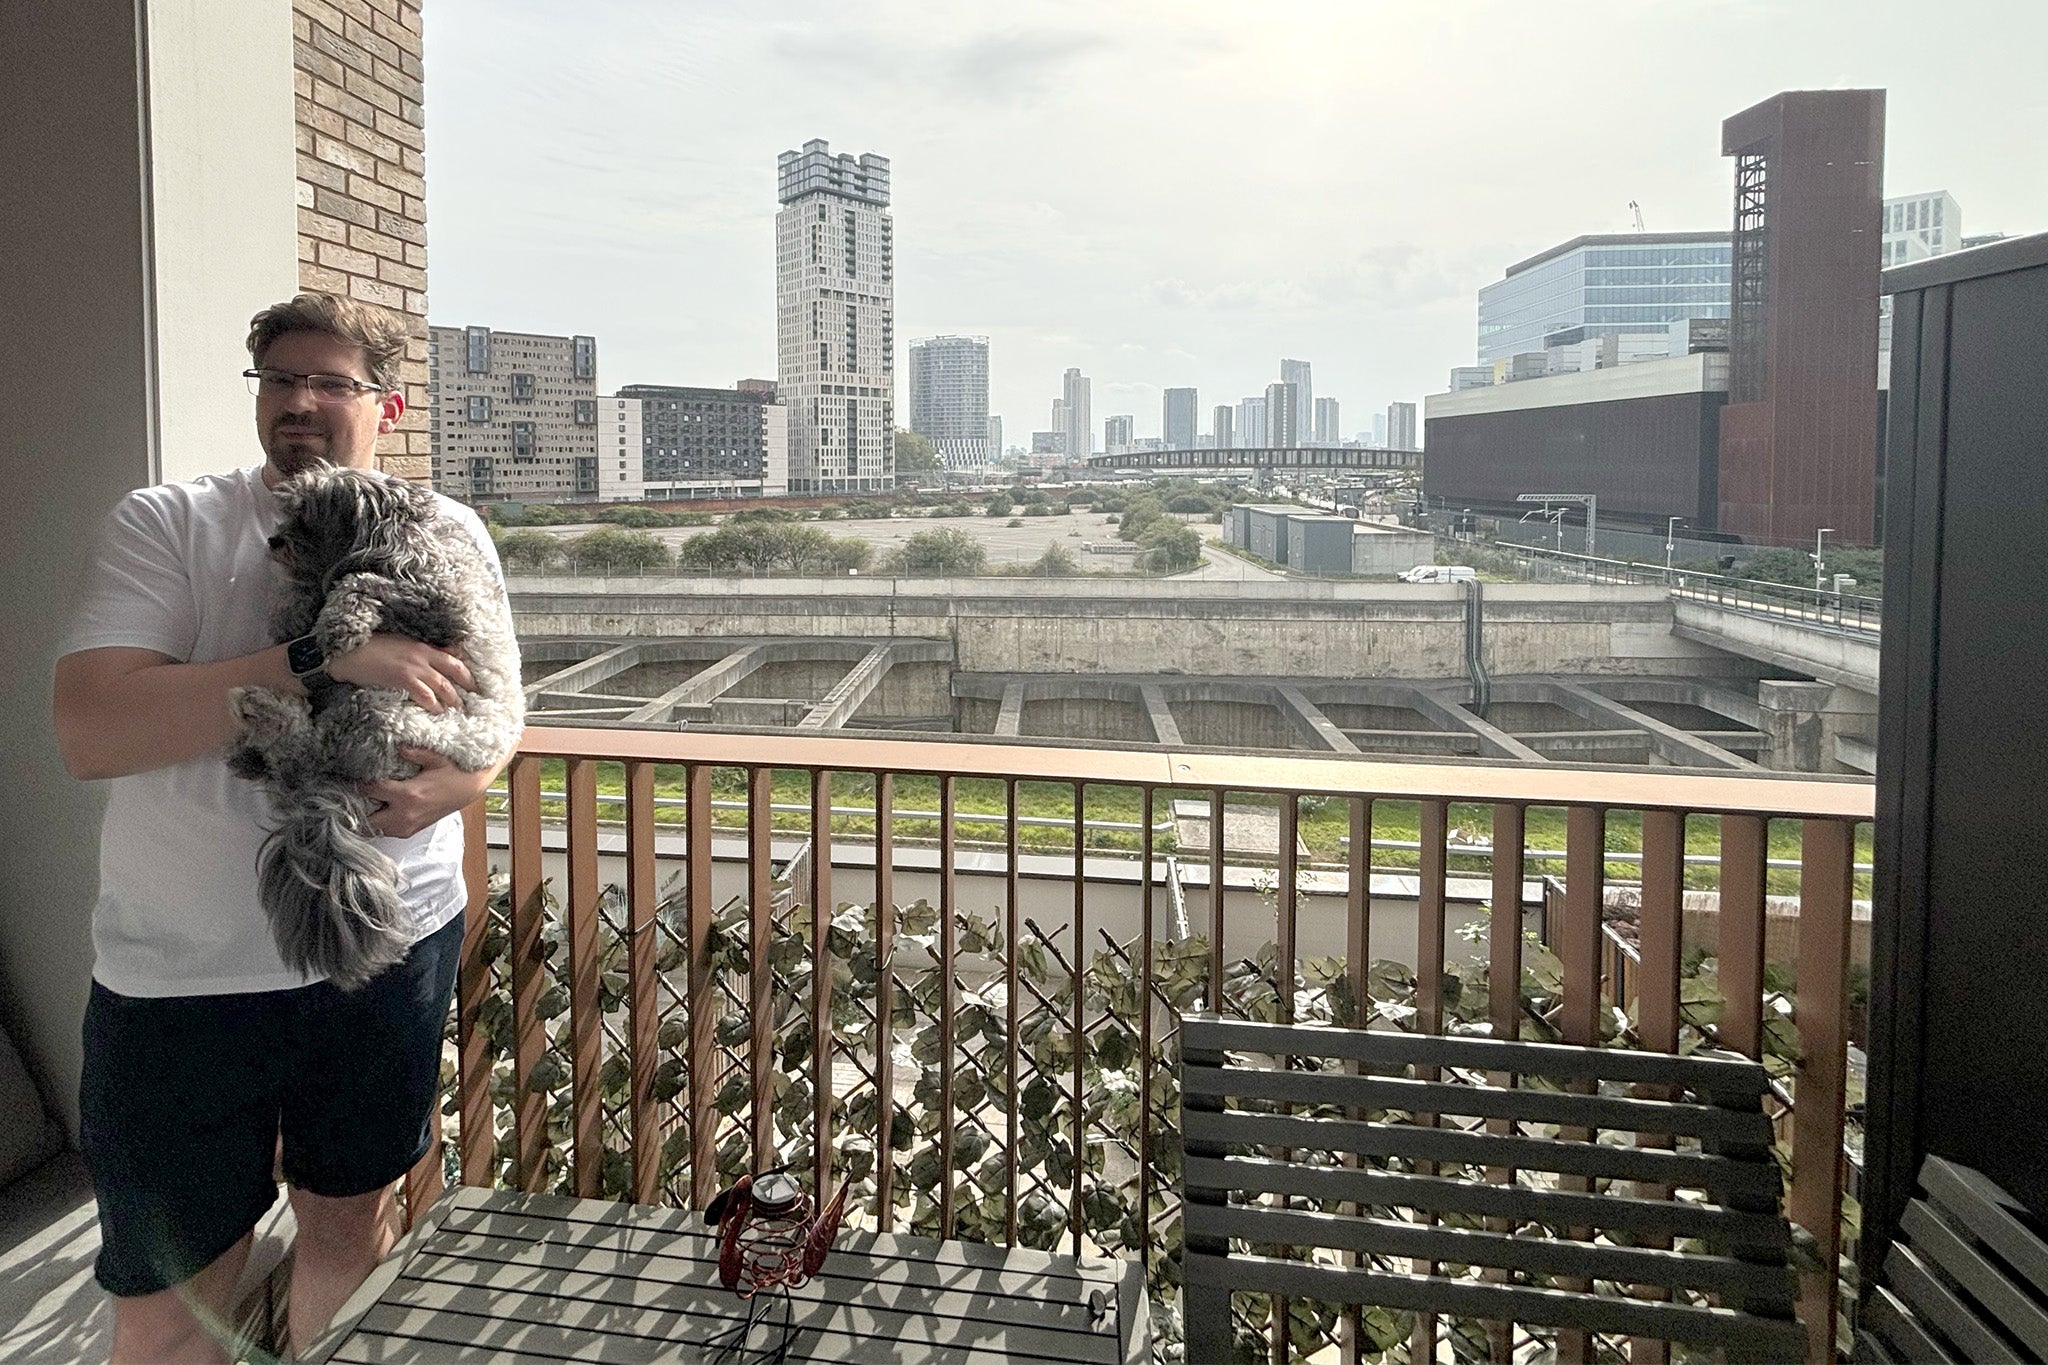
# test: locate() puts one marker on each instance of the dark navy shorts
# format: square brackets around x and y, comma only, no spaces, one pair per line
[184,1099]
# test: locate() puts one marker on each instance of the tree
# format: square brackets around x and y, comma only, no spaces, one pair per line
[530,549]
[1139,516]
[1170,546]
[640,517]
[945,552]
[614,547]
[1057,562]
[916,455]
[1000,503]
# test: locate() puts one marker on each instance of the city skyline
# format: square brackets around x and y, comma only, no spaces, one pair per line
[653,194]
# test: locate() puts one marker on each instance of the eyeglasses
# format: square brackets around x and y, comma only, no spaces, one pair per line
[325,388]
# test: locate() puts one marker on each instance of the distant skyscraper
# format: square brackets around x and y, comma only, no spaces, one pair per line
[1251,422]
[1401,427]
[1116,435]
[835,319]
[1075,392]
[995,438]
[1295,372]
[949,398]
[1283,407]
[1223,424]
[1178,426]
[1059,427]
[1379,431]
[1326,422]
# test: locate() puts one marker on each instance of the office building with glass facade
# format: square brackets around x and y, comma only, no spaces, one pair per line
[1607,285]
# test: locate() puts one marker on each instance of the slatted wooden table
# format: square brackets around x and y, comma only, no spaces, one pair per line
[498,1277]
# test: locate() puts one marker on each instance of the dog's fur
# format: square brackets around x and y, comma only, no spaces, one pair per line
[363,553]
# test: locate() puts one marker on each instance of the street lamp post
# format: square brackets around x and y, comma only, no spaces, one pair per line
[1670,531]
[1819,570]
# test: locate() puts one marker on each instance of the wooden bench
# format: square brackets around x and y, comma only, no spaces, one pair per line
[1966,1280]
[1415,1132]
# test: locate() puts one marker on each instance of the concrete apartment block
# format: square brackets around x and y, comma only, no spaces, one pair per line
[362,191]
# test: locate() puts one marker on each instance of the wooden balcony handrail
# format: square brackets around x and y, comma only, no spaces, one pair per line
[1772,796]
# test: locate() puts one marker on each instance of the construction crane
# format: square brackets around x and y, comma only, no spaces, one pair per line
[1637,210]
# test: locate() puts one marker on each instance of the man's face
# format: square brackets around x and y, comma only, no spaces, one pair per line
[297,430]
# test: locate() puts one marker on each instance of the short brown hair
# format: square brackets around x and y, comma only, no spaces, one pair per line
[378,331]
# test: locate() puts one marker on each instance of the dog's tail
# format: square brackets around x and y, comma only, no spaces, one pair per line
[331,896]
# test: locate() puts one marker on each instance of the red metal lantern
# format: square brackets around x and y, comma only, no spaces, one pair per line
[771,1233]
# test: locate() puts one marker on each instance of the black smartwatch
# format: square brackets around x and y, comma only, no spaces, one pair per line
[305,658]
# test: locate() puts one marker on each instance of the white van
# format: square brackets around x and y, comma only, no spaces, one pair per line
[1440,573]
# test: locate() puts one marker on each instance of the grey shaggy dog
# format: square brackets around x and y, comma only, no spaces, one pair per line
[363,553]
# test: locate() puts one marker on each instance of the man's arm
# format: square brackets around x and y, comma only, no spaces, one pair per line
[122,710]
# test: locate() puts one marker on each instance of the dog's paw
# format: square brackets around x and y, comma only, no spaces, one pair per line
[268,717]
[348,619]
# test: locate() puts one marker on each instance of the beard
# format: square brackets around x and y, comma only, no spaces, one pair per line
[295,447]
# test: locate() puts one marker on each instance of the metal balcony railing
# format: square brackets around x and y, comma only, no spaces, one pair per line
[1811,606]
[620,1032]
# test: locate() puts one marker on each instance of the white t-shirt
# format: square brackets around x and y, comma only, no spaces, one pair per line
[184,569]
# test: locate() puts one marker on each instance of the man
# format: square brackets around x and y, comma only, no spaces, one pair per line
[203,1053]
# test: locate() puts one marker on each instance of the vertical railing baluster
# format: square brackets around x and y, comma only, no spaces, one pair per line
[1744,841]
[704,1071]
[478,1137]
[1011,1054]
[885,999]
[949,947]
[761,978]
[1660,929]
[643,998]
[1285,955]
[1433,865]
[1358,971]
[585,1027]
[1827,883]
[1577,944]
[1076,1210]
[1145,933]
[822,1032]
[1216,902]
[529,1106]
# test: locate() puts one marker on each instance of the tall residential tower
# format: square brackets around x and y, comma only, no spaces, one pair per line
[1295,372]
[949,399]
[835,319]
[1074,413]
[1178,425]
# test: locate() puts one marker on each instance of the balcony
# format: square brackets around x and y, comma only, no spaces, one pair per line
[993,1058]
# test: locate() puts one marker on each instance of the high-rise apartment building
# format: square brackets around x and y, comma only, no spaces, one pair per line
[949,399]
[1077,416]
[1177,425]
[1379,431]
[1401,427]
[1116,434]
[835,318]
[1283,407]
[1251,422]
[1326,422]
[1295,372]
[513,415]
[1618,283]
[705,443]
[1917,226]
[995,438]
[1224,436]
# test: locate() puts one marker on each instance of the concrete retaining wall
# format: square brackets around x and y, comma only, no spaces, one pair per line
[1332,630]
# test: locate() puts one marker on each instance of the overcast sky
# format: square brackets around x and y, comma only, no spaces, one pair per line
[1162,192]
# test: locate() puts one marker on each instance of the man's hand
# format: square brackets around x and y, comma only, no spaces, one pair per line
[432,677]
[438,789]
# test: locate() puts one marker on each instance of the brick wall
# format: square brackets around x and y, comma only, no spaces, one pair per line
[362,187]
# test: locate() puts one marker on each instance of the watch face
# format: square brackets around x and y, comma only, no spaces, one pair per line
[303,656]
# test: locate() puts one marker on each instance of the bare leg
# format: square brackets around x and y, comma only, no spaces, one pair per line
[340,1241]
[166,1327]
